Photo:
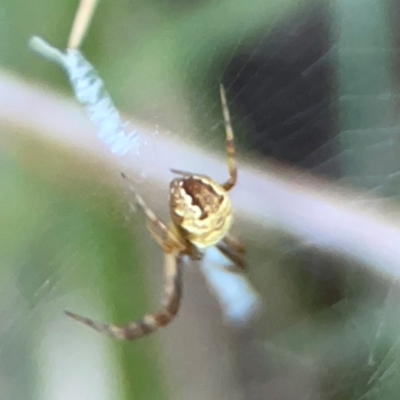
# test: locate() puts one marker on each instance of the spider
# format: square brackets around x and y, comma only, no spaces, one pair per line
[201,214]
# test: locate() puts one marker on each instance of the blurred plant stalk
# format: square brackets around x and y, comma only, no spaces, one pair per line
[268,196]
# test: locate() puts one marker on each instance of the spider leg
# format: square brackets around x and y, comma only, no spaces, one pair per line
[236,258]
[180,172]
[164,237]
[150,214]
[234,243]
[150,322]
[234,250]
[230,143]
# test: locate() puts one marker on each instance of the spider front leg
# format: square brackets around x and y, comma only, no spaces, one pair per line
[230,143]
[163,236]
[150,322]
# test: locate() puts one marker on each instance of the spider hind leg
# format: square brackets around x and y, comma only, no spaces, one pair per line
[150,322]
[233,250]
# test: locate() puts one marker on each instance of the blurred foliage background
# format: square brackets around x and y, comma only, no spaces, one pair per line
[311,84]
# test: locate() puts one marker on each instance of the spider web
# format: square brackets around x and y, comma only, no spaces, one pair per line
[317,91]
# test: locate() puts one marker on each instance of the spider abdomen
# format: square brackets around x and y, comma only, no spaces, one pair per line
[200,209]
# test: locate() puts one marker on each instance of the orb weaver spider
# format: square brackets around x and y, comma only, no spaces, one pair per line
[201,214]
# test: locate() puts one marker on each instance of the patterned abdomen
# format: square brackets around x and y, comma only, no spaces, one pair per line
[200,210]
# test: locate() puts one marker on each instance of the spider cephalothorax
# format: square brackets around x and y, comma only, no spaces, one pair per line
[201,214]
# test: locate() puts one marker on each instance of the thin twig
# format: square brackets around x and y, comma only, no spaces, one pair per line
[81,23]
